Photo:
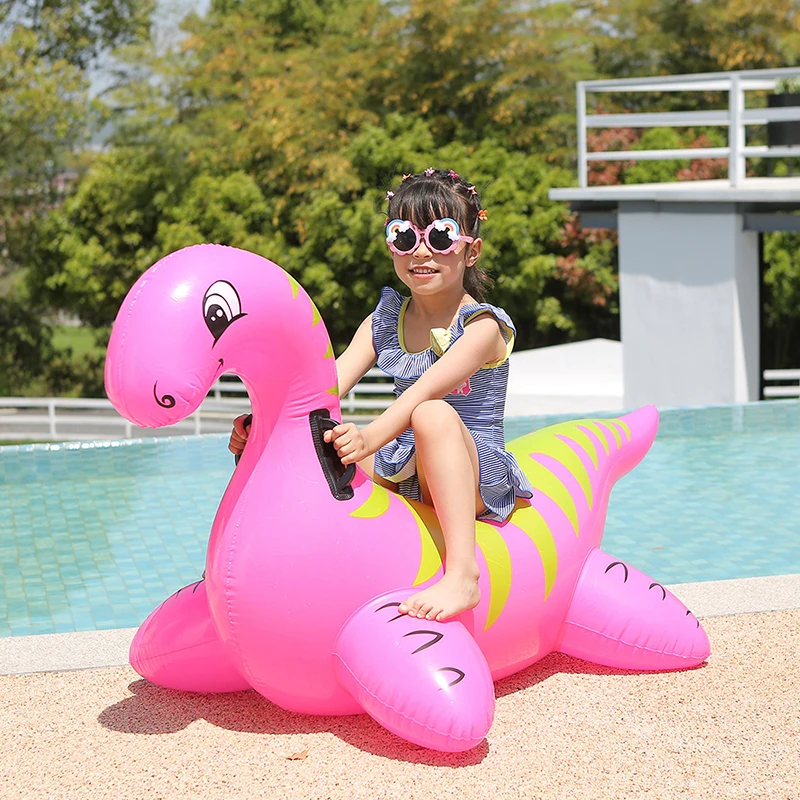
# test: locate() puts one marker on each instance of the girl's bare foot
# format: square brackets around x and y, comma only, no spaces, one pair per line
[452,594]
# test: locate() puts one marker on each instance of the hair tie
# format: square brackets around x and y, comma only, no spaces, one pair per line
[453,175]
[472,191]
[430,171]
[406,177]
[389,195]
[482,214]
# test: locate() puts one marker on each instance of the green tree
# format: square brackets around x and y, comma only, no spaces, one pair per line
[673,37]
[78,32]
[782,302]
[26,347]
[133,207]
[46,46]
[322,105]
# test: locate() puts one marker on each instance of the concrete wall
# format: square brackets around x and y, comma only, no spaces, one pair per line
[578,378]
[689,304]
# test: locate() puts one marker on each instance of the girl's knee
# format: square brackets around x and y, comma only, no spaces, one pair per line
[433,416]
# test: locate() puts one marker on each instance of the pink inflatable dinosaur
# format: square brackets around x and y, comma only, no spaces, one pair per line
[304,572]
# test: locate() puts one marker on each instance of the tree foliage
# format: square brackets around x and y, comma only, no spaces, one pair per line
[46,47]
[673,37]
[278,126]
[782,309]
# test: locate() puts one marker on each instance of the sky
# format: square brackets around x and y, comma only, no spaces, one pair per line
[170,12]
[166,32]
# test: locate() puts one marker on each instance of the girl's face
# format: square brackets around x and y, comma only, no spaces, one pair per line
[426,272]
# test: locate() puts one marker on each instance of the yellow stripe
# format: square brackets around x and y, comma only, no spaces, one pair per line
[582,439]
[315,315]
[529,520]
[400,317]
[498,562]
[595,428]
[295,286]
[329,351]
[546,482]
[376,505]
[564,454]
[430,558]
[334,390]
[609,424]
[623,425]
[488,538]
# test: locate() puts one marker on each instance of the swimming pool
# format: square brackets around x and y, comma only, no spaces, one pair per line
[94,535]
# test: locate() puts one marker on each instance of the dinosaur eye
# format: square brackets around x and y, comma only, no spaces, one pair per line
[221,306]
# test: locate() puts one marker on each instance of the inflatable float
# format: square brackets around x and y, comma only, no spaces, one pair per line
[307,562]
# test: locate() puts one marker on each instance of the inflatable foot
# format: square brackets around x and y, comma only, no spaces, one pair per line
[177,646]
[425,681]
[620,617]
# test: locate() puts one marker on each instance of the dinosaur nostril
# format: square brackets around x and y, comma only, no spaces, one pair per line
[167,401]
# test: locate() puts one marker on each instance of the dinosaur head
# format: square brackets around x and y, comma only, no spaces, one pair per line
[190,318]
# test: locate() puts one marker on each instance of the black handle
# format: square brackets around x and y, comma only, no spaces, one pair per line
[344,480]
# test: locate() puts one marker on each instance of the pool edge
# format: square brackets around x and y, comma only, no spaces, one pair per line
[64,652]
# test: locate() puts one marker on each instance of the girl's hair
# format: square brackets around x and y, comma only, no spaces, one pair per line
[435,194]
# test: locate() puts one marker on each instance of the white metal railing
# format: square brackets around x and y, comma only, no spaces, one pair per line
[736,118]
[372,393]
[75,419]
[226,386]
[791,390]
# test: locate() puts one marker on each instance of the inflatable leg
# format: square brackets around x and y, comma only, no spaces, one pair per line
[426,681]
[619,617]
[177,646]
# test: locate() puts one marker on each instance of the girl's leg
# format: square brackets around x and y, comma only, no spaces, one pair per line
[368,465]
[447,465]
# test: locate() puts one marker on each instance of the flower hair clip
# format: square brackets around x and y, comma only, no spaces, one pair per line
[389,195]
[482,214]
[472,191]
[407,176]
[453,175]
[429,171]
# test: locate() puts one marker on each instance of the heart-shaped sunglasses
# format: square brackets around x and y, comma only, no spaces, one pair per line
[441,236]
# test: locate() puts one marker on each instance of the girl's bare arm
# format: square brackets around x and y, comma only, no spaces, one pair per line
[480,344]
[358,359]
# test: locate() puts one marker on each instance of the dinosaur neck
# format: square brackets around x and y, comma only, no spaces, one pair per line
[284,385]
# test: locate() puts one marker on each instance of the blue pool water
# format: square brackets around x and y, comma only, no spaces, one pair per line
[93,536]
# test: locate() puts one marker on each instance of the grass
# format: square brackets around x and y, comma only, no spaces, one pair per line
[80,339]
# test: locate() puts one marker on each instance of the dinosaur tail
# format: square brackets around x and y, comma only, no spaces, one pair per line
[575,464]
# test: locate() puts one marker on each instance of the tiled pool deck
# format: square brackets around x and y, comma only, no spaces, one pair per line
[563,729]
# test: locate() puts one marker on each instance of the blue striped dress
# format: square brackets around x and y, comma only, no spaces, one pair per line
[480,403]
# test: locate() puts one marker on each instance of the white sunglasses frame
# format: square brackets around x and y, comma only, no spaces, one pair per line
[422,236]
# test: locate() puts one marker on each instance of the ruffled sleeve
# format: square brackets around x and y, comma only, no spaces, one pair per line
[385,318]
[472,310]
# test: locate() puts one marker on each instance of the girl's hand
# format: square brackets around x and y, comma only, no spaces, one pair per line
[239,435]
[347,438]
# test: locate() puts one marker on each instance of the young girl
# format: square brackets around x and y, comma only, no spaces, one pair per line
[441,441]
